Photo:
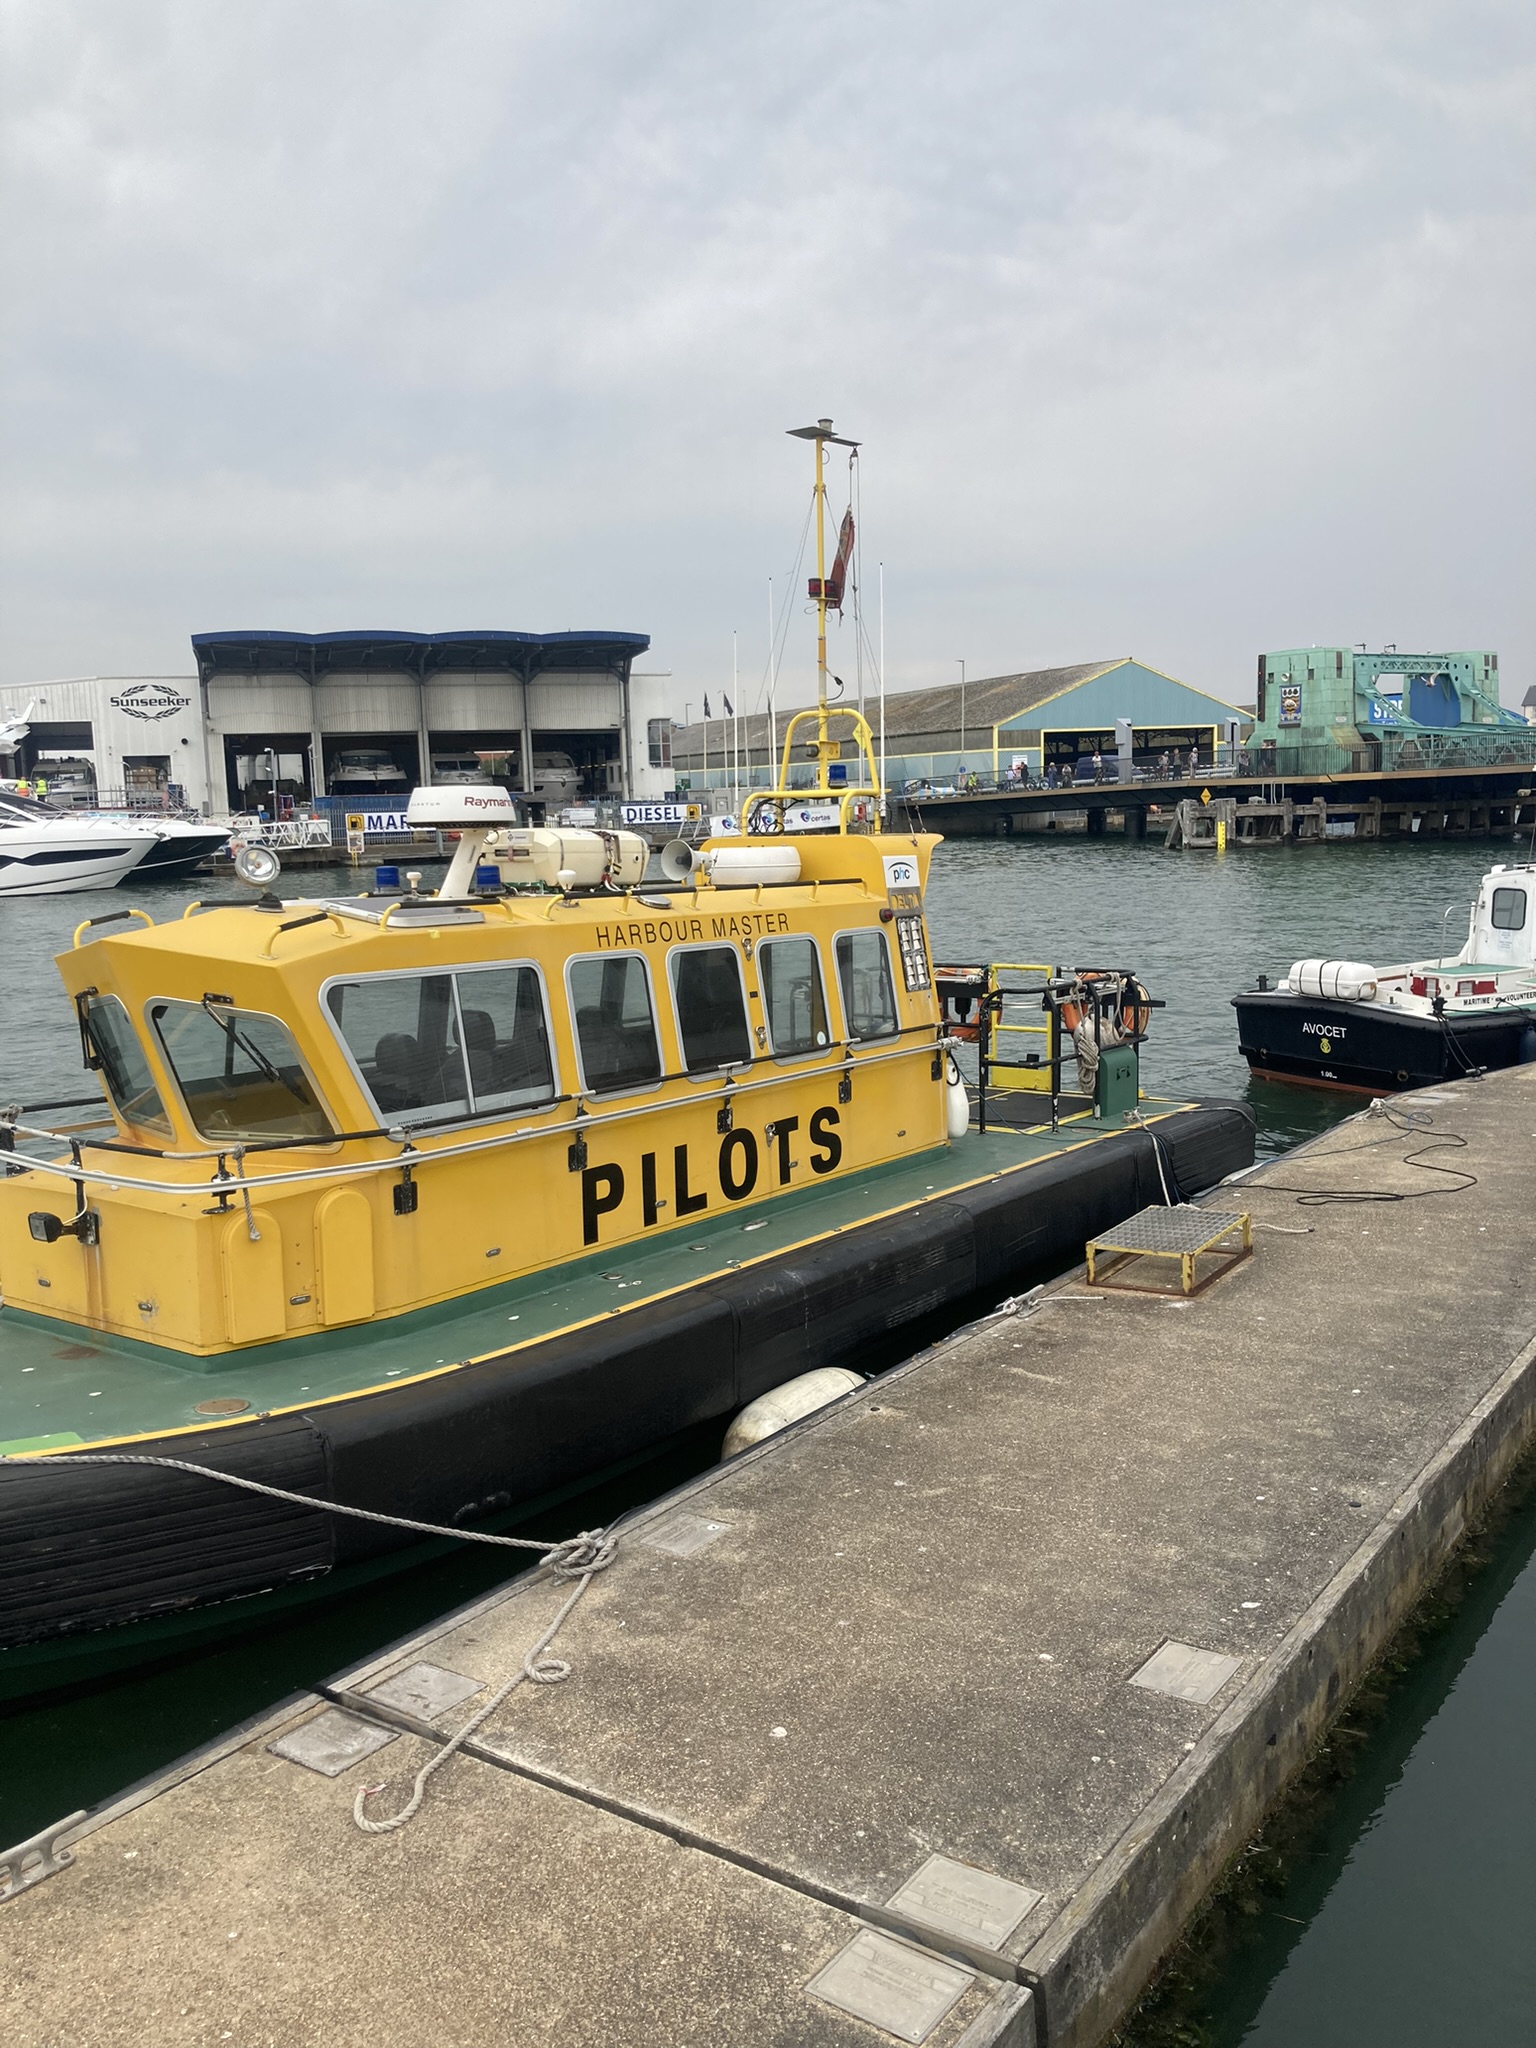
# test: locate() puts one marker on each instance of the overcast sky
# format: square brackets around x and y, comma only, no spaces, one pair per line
[1183,330]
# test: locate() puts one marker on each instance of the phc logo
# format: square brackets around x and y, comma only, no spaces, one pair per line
[900,871]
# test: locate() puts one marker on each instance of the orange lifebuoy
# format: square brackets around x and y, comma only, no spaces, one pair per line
[1133,1012]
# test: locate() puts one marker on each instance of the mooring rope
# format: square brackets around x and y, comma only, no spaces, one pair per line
[568,1557]
[579,1557]
[536,1666]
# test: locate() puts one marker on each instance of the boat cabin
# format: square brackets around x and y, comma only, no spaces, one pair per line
[326,1112]
[1502,929]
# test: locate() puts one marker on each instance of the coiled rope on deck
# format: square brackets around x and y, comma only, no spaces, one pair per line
[579,1557]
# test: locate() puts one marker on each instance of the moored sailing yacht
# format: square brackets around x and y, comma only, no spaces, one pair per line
[433,1205]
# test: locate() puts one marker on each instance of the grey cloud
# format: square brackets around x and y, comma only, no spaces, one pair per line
[1186,330]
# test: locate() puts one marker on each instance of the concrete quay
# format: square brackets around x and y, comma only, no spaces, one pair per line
[931,1720]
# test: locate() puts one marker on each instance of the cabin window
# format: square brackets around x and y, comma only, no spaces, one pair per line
[112,1046]
[402,1032]
[711,1008]
[239,1072]
[864,973]
[1509,910]
[615,1024]
[790,973]
[505,1036]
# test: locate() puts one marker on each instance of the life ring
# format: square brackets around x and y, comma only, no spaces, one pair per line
[1072,1014]
[1135,1009]
[1133,1012]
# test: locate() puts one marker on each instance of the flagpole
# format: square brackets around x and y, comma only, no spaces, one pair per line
[735,729]
[882,689]
[773,677]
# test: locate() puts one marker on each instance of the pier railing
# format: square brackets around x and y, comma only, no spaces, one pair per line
[1497,746]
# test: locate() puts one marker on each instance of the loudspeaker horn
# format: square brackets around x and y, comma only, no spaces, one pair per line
[677,860]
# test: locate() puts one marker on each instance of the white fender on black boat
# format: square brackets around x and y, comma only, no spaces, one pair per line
[781,1406]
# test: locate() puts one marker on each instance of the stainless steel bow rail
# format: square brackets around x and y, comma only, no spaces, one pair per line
[225,1183]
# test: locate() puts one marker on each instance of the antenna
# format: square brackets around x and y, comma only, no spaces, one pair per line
[882,689]
[773,678]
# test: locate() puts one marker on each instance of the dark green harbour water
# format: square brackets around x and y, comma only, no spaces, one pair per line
[1399,1906]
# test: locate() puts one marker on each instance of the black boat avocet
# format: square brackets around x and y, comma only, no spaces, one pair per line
[1344,1024]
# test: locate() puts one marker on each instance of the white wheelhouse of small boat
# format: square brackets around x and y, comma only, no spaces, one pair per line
[1496,966]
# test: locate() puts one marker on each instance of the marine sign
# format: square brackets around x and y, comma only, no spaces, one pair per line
[661,814]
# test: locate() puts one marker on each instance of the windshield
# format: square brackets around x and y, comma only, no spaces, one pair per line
[238,1071]
[112,1047]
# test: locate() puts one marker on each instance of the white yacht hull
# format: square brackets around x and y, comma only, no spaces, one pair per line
[51,863]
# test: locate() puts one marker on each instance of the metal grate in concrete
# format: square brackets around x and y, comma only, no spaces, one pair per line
[331,1743]
[1185,1673]
[960,1899]
[426,1690]
[682,1535]
[891,1985]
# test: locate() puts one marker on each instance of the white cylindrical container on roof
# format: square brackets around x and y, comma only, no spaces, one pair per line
[744,867]
[1344,981]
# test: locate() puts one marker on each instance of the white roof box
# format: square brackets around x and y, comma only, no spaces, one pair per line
[457,804]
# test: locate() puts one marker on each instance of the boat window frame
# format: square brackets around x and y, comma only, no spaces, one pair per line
[662,1073]
[550,1045]
[876,931]
[158,1069]
[730,946]
[1509,889]
[834,1043]
[221,1141]
[400,1119]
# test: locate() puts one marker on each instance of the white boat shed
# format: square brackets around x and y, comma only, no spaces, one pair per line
[362,714]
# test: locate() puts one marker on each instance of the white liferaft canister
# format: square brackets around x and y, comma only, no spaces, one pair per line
[1343,981]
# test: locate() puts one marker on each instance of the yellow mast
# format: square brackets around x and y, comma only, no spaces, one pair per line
[821,581]
[821,434]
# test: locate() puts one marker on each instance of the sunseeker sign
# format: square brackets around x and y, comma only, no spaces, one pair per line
[150,700]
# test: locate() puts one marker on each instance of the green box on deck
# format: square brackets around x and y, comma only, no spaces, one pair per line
[1117,1085]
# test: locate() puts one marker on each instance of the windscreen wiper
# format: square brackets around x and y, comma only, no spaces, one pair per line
[254,1052]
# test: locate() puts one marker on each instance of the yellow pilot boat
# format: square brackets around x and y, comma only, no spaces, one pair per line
[433,1205]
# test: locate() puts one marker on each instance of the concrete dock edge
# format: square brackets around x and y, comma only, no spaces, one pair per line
[1096,1959]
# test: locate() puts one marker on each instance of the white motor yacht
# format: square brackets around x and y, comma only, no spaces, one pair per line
[51,856]
[172,846]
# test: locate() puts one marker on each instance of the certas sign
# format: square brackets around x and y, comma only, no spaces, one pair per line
[150,700]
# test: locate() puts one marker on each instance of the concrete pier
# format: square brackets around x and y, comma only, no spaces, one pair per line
[931,1720]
